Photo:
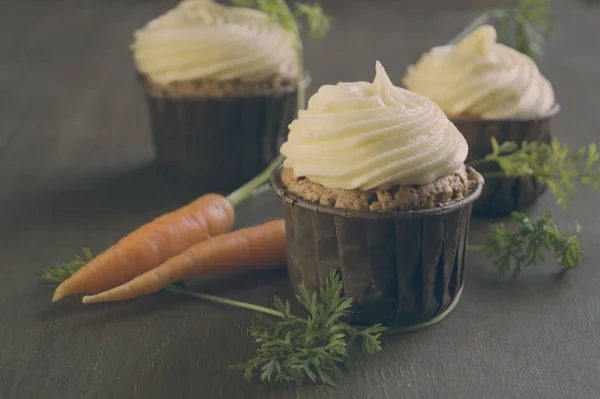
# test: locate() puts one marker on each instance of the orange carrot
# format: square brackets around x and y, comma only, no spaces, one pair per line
[151,245]
[258,247]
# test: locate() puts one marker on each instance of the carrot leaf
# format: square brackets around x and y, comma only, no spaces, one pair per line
[315,348]
[513,250]
[278,11]
[526,27]
[561,166]
[61,272]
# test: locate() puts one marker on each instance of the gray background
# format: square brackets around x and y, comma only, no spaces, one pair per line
[76,170]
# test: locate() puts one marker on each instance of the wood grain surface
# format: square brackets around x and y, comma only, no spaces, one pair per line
[76,170]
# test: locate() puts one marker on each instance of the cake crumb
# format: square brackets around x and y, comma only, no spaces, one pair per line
[440,192]
[214,88]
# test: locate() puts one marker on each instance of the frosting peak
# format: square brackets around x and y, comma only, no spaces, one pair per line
[479,42]
[201,39]
[481,78]
[372,135]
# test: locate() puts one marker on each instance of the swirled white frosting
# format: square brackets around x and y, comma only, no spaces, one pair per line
[200,39]
[372,135]
[481,78]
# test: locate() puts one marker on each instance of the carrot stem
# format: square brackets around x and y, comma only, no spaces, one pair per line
[246,191]
[301,93]
[475,247]
[478,162]
[223,301]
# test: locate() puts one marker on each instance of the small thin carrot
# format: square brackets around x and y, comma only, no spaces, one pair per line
[258,247]
[151,245]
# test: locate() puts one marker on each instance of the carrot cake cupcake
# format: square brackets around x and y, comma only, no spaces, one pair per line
[489,90]
[220,83]
[374,184]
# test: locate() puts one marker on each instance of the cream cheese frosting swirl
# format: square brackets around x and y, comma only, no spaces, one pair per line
[200,39]
[479,77]
[372,135]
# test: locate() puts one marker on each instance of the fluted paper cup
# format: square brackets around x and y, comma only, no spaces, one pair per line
[219,143]
[404,269]
[501,196]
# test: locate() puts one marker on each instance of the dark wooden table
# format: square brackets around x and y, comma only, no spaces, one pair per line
[76,170]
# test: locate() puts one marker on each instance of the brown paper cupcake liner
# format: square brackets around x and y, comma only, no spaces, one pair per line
[501,196]
[403,268]
[219,143]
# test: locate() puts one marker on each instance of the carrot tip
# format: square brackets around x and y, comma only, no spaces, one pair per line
[88,299]
[57,296]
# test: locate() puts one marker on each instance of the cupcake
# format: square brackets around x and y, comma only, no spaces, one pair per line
[374,184]
[220,83]
[489,90]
